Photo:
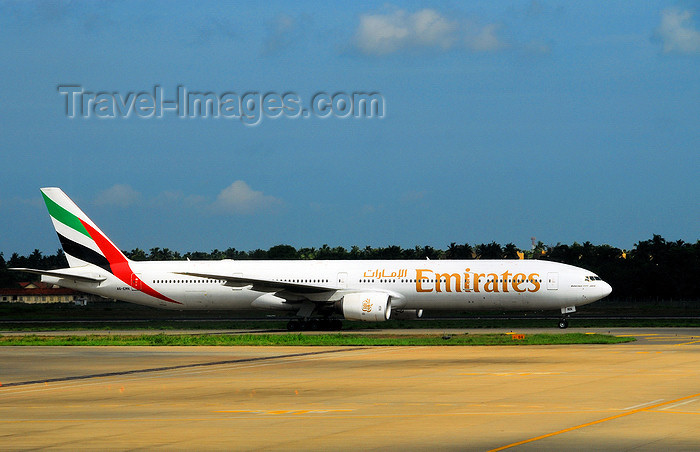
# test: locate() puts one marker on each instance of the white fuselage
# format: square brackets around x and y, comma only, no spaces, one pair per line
[410,284]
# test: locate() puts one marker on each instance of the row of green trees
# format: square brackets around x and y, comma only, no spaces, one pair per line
[654,268]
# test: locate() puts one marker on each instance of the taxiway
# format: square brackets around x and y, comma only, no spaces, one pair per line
[642,396]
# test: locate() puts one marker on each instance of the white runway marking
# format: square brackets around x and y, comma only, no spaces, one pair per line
[642,404]
[678,404]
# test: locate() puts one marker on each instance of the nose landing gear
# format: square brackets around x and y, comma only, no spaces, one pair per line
[564,320]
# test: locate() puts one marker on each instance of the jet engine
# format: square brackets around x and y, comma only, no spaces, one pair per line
[365,306]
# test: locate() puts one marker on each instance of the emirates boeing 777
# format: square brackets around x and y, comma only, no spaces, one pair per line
[318,293]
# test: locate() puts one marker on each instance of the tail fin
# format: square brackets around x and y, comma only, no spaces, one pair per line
[81,239]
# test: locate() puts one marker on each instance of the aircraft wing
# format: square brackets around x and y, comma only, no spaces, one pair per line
[67,273]
[265,285]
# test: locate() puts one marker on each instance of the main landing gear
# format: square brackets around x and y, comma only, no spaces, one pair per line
[315,325]
[563,323]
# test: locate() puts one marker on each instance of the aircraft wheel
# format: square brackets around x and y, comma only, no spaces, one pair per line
[563,323]
[336,325]
[293,325]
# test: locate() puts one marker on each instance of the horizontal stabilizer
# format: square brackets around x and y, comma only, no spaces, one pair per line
[67,273]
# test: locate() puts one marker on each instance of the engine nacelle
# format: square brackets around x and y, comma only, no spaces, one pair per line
[368,307]
[406,314]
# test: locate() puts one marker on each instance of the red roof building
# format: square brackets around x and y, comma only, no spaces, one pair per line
[39,292]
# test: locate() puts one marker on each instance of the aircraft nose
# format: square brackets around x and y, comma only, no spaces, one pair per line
[605,289]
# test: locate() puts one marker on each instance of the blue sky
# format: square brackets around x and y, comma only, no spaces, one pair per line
[566,121]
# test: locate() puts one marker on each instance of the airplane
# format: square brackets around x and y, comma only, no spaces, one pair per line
[318,293]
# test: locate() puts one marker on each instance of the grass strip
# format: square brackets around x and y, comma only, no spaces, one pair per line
[300,339]
[438,324]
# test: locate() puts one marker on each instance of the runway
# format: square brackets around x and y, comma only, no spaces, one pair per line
[637,396]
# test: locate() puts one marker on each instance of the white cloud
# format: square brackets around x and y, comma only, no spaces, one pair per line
[427,29]
[484,39]
[119,195]
[237,198]
[240,198]
[677,33]
[430,29]
[537,47]
[284,32]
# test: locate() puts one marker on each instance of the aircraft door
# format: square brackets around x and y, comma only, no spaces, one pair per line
[552,281]
[342,280]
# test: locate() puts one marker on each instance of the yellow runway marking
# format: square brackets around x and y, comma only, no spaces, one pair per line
[688,343]
[277,412]
[506,374]
[599,421]
[237,411]
[635,335]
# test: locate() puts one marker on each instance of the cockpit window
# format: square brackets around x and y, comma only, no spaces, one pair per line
[593,278]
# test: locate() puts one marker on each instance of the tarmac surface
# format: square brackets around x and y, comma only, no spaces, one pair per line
[643,395]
